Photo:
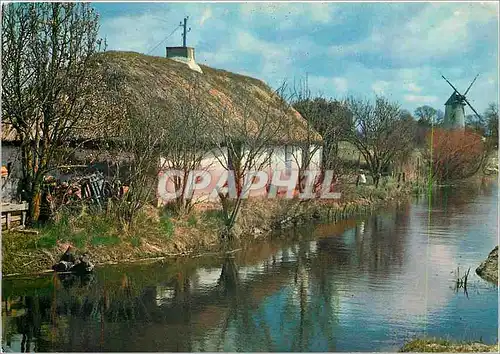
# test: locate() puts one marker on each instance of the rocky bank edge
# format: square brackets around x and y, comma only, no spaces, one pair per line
[488,270]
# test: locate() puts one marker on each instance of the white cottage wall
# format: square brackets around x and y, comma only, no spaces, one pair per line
[215,162]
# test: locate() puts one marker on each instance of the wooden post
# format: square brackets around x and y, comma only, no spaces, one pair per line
[23,218]
[7,216]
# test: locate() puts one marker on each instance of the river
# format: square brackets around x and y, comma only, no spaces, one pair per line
[365,284]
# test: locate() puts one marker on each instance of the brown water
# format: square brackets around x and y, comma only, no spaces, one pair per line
[367,284]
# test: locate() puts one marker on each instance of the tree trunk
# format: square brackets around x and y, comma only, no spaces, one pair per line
[35,202]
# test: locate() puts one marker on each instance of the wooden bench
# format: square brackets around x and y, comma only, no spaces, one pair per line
[8,209]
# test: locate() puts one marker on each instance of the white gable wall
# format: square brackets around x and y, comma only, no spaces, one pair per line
[282,157]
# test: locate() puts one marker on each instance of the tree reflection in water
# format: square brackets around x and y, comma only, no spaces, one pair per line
[85,314]
[287,299]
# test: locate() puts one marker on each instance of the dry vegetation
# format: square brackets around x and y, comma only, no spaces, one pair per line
[162,233]
[456,155]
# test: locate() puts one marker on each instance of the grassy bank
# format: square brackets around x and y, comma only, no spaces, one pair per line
[441,345]
[160,233]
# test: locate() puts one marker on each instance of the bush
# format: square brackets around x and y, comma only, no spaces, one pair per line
[456,154]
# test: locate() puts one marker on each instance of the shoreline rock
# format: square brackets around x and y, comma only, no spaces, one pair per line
[488,270]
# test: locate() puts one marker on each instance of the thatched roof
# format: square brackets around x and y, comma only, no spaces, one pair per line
[218,92]
[139,79]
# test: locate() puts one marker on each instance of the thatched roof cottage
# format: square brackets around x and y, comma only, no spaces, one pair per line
[177,81]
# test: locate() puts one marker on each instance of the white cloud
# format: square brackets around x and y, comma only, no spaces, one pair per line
[207,14]
[427,37]
[341,84]
[287,15]
[321,12]
[413,87]
[408,51]
[440,30]
[380,87]
[276,61]
[421,99]
[218,59]
[315,84]
[133,33]
[246,42]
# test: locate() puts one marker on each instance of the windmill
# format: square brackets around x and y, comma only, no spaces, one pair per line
[454,114]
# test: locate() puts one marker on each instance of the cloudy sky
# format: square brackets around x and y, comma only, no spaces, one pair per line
[394,49]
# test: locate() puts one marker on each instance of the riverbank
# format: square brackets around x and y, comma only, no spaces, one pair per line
[355,274]
[441,345]
[159,234]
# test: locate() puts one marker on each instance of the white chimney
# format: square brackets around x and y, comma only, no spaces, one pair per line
[184,55]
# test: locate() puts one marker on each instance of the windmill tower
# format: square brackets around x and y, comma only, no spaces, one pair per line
[454,113]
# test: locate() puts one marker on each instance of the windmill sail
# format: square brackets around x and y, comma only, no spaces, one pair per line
[454,116]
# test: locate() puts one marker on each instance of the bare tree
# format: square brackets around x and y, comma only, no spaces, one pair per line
[426,115]
[245,142]
[139,147]
[325,117]
[157,137]
[310,144]
[188,142]
[48,83]
[381,133]
[332,120]
[491,117]
[456,154]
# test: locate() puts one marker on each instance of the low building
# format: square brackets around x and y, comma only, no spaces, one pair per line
[238,100]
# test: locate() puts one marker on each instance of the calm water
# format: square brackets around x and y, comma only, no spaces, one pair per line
[361,285]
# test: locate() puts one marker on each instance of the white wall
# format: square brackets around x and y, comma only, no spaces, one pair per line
[215,161]
[11,154]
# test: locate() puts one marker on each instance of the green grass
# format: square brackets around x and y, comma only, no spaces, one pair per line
[105,240]
[55,229]
[192,220]
[80,231]
[45,241]
[213,215]
[442,345]
[79,239]
[51,233]
[136,241]
[99,226]
[166,225]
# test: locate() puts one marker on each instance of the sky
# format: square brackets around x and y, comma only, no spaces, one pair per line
[397,50]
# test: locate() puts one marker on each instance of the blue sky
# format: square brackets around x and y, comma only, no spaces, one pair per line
[398,50]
